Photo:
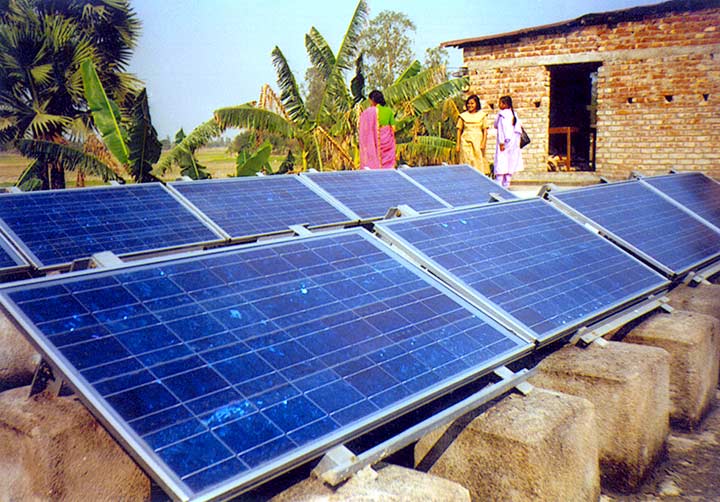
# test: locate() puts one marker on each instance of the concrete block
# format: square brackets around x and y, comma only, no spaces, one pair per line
[53,449]
[540,447]
[630,388]
[386,483]
[18,359]
[693,341]
[704,299]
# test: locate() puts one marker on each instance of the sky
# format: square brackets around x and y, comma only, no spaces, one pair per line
[196,56]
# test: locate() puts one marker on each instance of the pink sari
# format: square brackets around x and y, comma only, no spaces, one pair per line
[377,144]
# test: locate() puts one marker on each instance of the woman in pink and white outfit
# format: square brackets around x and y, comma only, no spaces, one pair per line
[508,159]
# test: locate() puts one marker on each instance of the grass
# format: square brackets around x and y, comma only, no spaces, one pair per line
[218,162]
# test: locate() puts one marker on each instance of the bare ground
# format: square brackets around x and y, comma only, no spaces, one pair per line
[690,470]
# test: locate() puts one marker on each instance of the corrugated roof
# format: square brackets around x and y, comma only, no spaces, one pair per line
[612,17]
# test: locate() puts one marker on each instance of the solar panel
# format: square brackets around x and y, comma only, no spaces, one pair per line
[10,260]
[459,185]
[220,369]
[646,223]
[254,206]
[697,192]
[370,193]
[54,228]
[528,262]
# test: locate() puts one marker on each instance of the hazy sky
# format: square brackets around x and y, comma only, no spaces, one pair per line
[199,55]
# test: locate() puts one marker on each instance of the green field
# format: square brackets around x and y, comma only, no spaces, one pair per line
[218,162]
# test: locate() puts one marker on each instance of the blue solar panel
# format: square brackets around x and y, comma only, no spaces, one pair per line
[697,192]
[653,227]
[221,368]
[56,227]
[527,260]
[253,206]
[10,260]
[459,185]
[370,194]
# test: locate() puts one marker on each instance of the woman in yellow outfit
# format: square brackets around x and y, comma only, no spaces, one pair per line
[472,135]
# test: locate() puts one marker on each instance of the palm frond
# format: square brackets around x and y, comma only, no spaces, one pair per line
[249,117]
[436,95]
[200,136]
[426,150]
[143,145]
[411,71]
[289,91]
[319,52]
[346,54]
[69,157]
[407,89]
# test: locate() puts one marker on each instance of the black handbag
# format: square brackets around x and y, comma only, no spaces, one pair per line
[524,138]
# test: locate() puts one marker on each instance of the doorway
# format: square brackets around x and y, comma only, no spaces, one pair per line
[573,107]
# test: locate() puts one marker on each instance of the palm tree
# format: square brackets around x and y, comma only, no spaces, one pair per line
[43,110]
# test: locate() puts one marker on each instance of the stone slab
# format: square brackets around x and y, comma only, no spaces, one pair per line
[630,387]
[693,341]
[704,299]
[384,483]
[53,449]
[18,359]
[540,447]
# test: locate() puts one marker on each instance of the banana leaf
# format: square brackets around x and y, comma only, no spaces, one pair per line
[143,143]
[105,112]
[250,166]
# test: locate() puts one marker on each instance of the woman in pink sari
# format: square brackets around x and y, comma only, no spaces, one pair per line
[376,134]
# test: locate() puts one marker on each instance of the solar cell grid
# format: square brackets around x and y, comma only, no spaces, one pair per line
[647,222]
[222,366]
[370,193]
[697,192]
[246,207]
[535,264]
[59,226]
[459,185]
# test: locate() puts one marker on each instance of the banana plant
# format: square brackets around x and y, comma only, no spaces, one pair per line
[250,165]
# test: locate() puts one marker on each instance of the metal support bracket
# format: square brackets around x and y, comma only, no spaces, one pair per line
[546,189]
[400,210]
[44,380]
[494,196]
[635,175]
[603,180]
[300,230]
[14,189]
[339,463]
[595,333]
[106,259]
[701,276]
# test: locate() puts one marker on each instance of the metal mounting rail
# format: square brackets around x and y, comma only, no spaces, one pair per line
[339,463]
[594,333]
[701,276]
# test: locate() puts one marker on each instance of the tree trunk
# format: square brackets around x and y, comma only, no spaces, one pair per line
[57,175]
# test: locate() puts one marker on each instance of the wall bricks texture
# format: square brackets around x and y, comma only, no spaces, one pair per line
[658,90]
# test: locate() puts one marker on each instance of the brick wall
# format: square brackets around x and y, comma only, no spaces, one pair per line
[658,90]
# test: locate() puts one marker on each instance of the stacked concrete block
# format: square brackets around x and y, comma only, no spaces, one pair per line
[693,342]
[630,388]
[542,447]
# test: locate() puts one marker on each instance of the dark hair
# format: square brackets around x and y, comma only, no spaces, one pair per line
[507,101]
[473,97]
[377,97]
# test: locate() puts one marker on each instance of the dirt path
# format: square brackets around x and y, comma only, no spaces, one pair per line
[690,470]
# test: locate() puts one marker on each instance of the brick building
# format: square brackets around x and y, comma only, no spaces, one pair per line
[631,90]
